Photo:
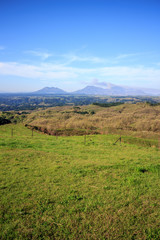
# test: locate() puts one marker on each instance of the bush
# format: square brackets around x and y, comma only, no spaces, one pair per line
[3,121]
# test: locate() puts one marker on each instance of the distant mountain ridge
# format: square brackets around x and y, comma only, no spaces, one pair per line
[113,91]
[110,90]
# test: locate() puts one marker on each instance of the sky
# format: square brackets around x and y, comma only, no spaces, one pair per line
[70,44]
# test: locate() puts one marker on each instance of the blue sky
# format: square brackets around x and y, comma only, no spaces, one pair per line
[73,43]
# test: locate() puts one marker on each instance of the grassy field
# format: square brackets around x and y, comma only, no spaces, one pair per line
[66,188]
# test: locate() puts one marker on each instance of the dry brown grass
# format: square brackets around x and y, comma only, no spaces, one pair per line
[138,119]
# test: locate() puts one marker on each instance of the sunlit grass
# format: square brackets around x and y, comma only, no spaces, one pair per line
[67,188]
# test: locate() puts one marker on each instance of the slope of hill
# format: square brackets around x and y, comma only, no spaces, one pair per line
[66,188]
[140,119]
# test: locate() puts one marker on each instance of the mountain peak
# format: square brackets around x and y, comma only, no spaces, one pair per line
[50,90]
[91,90]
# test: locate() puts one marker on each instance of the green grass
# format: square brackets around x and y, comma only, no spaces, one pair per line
[64,189]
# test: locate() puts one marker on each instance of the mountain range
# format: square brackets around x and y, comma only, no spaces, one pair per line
[111,90]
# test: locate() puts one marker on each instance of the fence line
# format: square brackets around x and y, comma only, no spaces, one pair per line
[126,139]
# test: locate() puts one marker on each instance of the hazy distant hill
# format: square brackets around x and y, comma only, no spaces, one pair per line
[50,90]
[125,91]
[109,90]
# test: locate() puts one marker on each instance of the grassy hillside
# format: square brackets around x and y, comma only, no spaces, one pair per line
[139,119]
[67,188]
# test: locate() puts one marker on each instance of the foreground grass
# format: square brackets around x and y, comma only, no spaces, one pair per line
[67,189]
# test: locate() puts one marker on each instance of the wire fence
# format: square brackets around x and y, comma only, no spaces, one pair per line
[32,134]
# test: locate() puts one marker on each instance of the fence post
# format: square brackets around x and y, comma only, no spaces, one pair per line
[119,139]
[12,132]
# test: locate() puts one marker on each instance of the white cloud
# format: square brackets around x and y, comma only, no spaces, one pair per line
[48,71]
[96,82]
[31,71]
[132,72]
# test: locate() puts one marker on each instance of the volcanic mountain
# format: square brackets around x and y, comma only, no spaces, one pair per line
[50,90]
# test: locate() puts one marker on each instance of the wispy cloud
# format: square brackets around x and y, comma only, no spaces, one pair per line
[79,57]
[97,82]
[123,56]
[48,71]
[38,53]
[75,68]
[75,58]
[31,71]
